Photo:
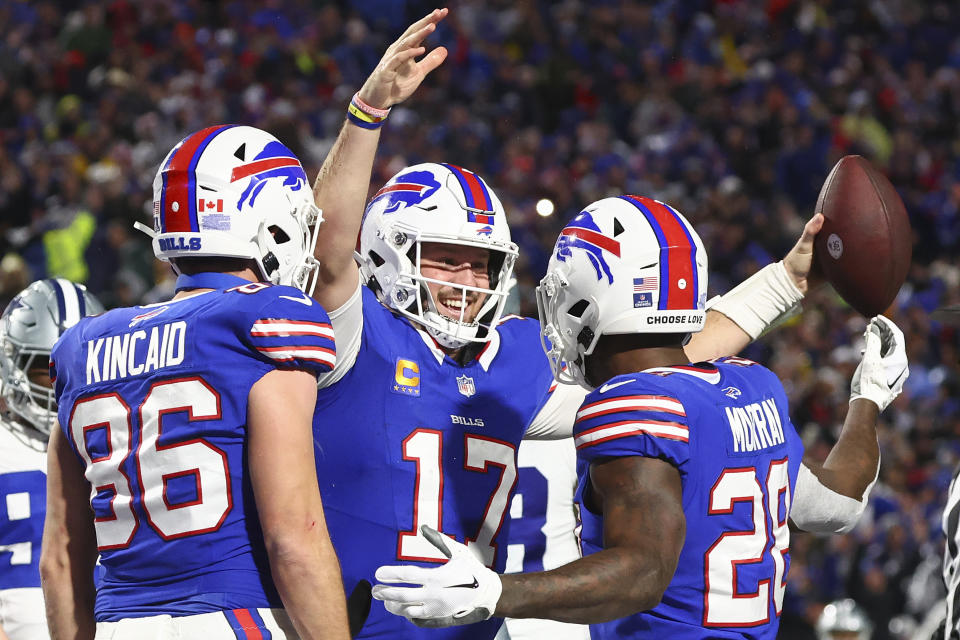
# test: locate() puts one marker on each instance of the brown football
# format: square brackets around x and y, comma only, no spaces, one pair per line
[865,245]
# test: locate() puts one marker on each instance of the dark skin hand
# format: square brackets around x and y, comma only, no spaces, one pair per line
[644,529]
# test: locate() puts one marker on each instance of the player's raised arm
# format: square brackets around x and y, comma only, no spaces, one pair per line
[342,183]
[69,545]
[758,303]
[284,479]
[829,498]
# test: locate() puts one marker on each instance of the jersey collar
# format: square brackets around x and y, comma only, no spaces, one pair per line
[485,357]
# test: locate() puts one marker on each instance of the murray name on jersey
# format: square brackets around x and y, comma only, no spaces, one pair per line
[755,426]
[135,353]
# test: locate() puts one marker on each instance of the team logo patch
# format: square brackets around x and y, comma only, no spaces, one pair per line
[485,231]
[406,379]
[274,162]
[146,316]
[732,392]
[408,190]
[583,233]
[465,385]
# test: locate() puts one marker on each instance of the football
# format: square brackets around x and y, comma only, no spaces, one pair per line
[864,247]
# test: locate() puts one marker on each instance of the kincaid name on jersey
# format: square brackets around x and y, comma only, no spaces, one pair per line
[136,353]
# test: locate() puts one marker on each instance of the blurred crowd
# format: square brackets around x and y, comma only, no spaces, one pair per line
[731,110]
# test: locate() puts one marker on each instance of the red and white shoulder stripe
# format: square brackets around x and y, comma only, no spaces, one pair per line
[660,404]
[309,353]
[711,374]
[611,431]
[278,327]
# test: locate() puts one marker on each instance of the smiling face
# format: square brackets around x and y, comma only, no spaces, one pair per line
[458,265]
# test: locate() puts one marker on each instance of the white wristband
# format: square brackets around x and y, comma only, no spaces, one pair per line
[767,297]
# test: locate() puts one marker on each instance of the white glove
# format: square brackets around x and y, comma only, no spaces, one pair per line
[883,370]
[462,591]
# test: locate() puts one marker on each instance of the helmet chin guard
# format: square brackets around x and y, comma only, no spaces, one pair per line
[443,204]
[627,264]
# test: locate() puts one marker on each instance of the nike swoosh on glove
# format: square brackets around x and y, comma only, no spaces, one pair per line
[883,370]
[462,591]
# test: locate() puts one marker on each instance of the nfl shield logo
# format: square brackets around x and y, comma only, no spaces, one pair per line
[466,386]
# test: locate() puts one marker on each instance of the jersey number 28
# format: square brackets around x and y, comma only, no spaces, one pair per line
[723,606]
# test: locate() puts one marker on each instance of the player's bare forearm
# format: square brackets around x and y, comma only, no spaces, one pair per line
[852,463]
[284,480]
[600,587]
[644,528]
[307,576]
[720,337]
[340,191]
[69,546]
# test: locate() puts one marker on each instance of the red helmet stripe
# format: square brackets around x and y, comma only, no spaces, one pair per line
[246,170]
[473,188]
[593,238]
[179,183]
[677,251]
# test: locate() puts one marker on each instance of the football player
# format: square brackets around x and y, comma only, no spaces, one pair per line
[433,388]
[688,472]
[185,426]
[29,327]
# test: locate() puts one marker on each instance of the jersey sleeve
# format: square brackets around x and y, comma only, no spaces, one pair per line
[290,330]
[347,321]
[555,418]
[632,419]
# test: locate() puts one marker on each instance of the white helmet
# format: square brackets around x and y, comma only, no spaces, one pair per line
[627,264]
[29,327]
[843,616]
[237,192]
[435,203]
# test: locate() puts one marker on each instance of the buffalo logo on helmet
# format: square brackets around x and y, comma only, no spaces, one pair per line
[408,190]
[275,161]
[583,233]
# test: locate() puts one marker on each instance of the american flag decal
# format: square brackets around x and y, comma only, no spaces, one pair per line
[645,284]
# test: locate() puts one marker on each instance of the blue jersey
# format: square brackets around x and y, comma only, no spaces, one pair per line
[726,429]
[153,400]
[409,437]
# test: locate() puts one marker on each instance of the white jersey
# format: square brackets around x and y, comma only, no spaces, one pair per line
[543,527]
[23,496]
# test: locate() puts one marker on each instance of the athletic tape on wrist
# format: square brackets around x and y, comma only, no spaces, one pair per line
[767,297]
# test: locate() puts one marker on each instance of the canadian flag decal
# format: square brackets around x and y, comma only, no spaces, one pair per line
[210,205]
